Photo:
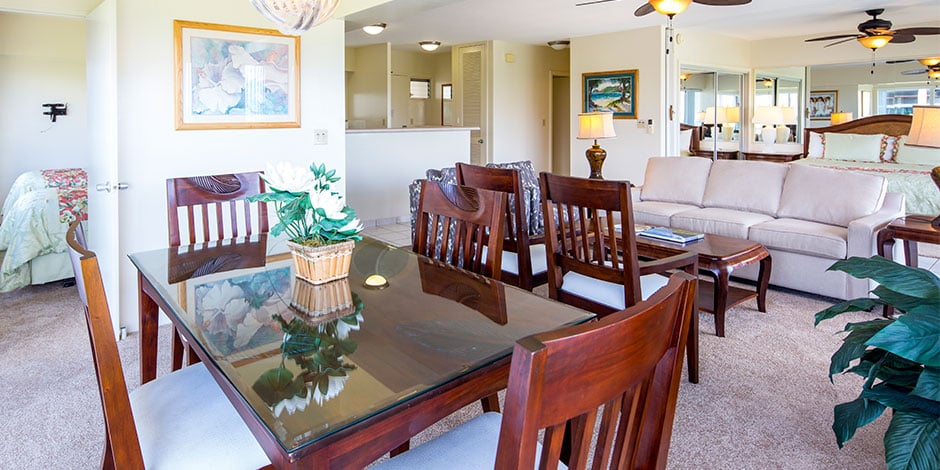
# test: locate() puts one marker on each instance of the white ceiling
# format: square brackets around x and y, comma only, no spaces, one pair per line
[539,21]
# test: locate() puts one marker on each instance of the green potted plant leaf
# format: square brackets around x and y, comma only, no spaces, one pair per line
[899,358]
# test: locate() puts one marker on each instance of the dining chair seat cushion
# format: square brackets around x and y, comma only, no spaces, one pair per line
[471,445]
[536,254]
[185,421]
[608,293]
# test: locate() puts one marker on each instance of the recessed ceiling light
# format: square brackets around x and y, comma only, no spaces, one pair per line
[374,29]
[429,45]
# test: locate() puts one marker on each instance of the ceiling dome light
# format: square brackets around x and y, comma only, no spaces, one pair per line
[875,42]
[559,45]
[929,61]
[429,45]
[670,8]
[373,29]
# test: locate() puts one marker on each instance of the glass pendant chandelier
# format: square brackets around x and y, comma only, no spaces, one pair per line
[294,17]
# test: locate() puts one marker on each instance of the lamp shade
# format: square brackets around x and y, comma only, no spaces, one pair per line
[715,115]
[925,127]
[874,42]
[768,115]
[733,115]
[789,115]
[596,125]
[839,118]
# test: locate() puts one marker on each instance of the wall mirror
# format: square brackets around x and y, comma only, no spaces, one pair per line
[779,105]
[710,101]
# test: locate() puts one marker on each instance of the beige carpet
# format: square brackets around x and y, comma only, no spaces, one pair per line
[764,400]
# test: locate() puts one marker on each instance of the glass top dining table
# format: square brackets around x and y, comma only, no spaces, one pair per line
[338,374]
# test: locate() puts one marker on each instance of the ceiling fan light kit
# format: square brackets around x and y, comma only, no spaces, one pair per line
[670,8]
[929,61]
[875,42]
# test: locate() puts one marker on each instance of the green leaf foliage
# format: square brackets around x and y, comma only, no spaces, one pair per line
[914,336]
[852,415]
[906,280]
[853,345]
[928,385]
[855,305]
[912,441]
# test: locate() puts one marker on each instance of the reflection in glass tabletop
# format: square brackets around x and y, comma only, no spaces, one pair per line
[312,360]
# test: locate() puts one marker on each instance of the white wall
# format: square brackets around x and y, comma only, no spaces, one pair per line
[367,96]
[521,105]
[150,150]
[794,51]
[42,60]
[628,152]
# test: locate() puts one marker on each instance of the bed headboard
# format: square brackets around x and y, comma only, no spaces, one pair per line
[890,124]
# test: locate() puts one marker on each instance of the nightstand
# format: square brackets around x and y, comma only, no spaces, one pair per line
[779,157]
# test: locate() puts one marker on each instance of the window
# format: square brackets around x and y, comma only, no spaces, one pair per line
[900,100]
[420,88]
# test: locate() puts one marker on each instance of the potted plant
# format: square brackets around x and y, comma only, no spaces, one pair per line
[899,358]
[321,229]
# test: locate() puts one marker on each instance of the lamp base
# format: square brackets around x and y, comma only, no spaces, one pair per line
[595,157]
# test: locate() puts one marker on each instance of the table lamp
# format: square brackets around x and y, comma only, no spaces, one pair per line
[732,117]
[596,126]
[714,116]
[839,118]
[925,132]
[768,116]
[789,118]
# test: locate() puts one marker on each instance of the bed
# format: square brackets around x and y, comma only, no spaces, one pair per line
[36,214]
[875,145]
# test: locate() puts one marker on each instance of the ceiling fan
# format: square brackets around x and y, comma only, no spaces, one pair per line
[877,32]
[932,65]
[670,7]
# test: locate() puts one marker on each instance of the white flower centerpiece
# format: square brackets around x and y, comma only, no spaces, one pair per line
[320,227]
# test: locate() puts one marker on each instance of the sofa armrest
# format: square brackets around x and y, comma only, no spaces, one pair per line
[635,193]
[863,231]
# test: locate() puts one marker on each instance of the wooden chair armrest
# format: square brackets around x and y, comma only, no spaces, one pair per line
[687,262]
[537,239]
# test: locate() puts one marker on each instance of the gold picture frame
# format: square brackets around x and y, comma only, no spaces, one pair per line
[235,77]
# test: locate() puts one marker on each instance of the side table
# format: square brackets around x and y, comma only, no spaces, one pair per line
[722,154]
[911,229]
[778,157]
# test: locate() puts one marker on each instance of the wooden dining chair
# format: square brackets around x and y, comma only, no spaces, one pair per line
[181,420]
[215,208]
[524,261]
[220,196]
[623,369]
[592,263]
[461,226]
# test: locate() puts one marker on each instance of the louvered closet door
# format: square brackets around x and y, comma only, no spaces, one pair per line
[471,87]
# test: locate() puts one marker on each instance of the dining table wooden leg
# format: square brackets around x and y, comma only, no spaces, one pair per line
[148,316]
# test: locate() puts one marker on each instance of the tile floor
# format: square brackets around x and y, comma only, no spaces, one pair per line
[393,234]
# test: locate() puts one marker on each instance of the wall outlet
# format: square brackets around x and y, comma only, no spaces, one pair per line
[320,137]
[641,123]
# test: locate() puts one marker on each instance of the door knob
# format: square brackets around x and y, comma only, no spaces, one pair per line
[479,141]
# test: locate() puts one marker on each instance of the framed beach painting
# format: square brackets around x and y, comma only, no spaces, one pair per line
[233,77]
[612,92]
[822,104]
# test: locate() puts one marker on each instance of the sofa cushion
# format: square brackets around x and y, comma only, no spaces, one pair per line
[802,236]
[657,213]
[746,186]
[830,196]
[675,179]
[727,222]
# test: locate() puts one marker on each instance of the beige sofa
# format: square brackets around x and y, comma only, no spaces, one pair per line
[807,217]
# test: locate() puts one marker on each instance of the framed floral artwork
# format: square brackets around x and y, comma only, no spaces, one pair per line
[822,104]
[234,77]
[611,92]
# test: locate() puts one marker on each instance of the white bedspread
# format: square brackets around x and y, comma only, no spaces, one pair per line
[922,196]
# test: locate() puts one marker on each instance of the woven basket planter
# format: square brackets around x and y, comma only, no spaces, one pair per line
[326,301]
[321,264]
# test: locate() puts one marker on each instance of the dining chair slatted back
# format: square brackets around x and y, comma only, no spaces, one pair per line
[624,368]
[581,236]
[224,196]
[121,444]
[461,226]
[517,239]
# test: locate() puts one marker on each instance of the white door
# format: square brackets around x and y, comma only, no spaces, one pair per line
[471,93]
[101,71]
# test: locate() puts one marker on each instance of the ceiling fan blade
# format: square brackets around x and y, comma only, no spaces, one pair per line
[914,72]
[644,10]
[921,31]
[900,61]
[829,38]
[722,3]
[902,38]
[592,2]
[840,42]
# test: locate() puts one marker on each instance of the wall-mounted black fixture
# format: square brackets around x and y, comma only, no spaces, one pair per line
[55,109]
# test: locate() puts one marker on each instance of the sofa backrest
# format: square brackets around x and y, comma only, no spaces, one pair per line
[675,179]
[745,185]
[830,196]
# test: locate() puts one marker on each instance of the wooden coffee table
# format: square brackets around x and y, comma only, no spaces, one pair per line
[718,257]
